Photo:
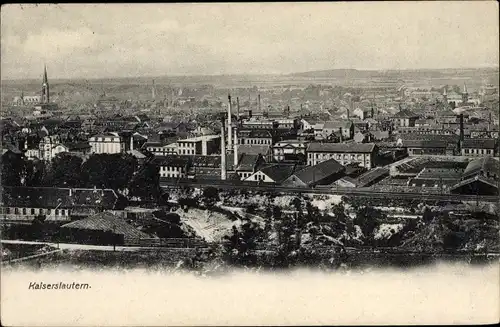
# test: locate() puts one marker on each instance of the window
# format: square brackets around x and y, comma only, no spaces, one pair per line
[49,211]
[8,210]
[32,211]
[24,211]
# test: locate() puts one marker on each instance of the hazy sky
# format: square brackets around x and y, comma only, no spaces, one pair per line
[110,40]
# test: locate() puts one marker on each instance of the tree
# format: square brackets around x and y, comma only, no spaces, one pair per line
[13,169]
[109,170]
[146,183]
[240,245]
[368,219]
[65,171]
[210,196]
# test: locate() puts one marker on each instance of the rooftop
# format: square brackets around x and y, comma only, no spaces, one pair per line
[341,147]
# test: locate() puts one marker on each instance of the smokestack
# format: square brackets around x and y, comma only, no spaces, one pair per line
[131,142]
[461,128]
[341,135]
[222,154]
[258,96]
[153,91]
[237,110]
[235,147]
[229,125]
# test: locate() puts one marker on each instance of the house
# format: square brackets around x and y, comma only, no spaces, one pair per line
[104,229]
[173,166]
[199,145]
[248,164]
[324,173]
[290,150]
[480,177]
[363,113]
[308,124]
[363,154]
[273,173]
[405,118]
[57,204]
[479,147]
[345,129]
[107,143]
[362,137]
[255,137]
[264,150]
[79,148]
[47,146]
[423,144]
[380,135]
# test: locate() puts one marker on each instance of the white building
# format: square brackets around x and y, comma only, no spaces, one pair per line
[108,143]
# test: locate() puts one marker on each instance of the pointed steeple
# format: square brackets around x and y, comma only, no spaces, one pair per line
[45,79]
[465,88]
[45,86]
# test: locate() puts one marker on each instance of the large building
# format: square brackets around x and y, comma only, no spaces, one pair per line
[362,154]
[107,143]
[200,145]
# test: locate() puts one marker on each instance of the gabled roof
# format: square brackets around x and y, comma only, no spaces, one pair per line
[372,175]
[314,174]
[247,161]
[338,124]
[52,197]
[480,178]
[405,113]
[76,146]
[172,160]
[278,172]
[341,147]
[486,164]
[479,144]
[254,149]
[106,221]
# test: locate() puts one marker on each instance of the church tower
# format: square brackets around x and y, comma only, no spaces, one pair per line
[465,96]
[45,87]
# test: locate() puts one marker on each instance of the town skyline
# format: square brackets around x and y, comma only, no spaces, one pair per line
[120,41]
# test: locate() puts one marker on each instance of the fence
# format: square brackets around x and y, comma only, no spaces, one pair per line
[168,242]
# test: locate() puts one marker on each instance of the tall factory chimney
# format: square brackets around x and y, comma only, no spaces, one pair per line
[153,91]
[461,117]
[235,152]
[222,153]
[237,111]
[258,100]
[229,123]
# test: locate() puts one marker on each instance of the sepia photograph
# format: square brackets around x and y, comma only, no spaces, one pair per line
[259,163]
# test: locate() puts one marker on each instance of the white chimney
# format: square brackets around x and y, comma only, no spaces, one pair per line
[222,154]
[235,147]
[131,142]
[229,125]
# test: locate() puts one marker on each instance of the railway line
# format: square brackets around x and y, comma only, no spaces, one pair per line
[359,192]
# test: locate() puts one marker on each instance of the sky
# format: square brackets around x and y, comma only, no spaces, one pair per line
[130,40]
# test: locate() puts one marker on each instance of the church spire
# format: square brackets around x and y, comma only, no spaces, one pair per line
[45,79]
[45,86]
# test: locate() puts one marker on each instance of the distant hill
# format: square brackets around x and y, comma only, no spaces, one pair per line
[405,73]
[338,73]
